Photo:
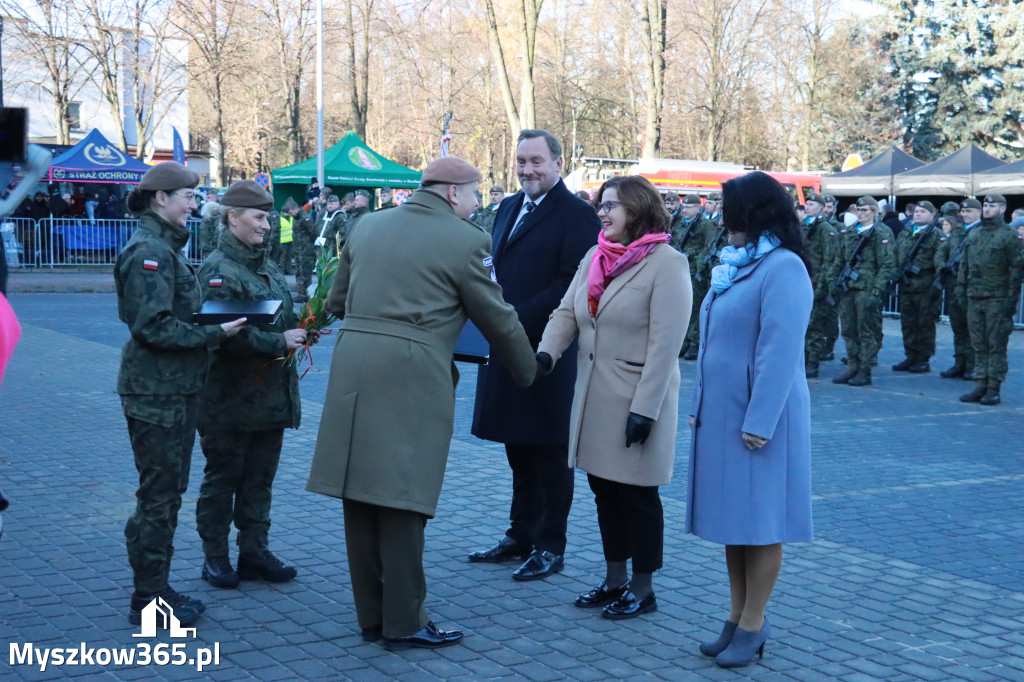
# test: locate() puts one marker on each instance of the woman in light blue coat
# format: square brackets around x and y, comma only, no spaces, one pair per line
[750,468]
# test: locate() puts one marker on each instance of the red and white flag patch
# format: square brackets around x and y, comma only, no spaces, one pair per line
[885,241]
[150,265]
[216,282]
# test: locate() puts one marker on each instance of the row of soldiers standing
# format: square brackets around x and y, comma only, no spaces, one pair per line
[978,265]
[297,235]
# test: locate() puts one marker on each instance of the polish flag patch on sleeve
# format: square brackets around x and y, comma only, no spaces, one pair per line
[150,265]
[216,282]
[885,241]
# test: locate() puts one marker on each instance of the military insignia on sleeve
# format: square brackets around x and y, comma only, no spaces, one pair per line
[842,231]
[942,239]
[488,262]
[885,241]
[150,265]
[216,282]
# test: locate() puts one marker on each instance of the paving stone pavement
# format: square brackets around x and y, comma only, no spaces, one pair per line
[916,573]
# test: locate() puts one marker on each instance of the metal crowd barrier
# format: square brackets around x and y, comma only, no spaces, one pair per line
[892,308]
[60,242]
[21,242]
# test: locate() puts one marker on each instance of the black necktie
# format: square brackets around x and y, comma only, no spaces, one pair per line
[529,209]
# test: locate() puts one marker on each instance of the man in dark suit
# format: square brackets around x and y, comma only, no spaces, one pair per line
[540,234]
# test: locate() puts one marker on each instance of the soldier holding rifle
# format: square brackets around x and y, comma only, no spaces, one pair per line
[864,260]
[947,265]
[919,302]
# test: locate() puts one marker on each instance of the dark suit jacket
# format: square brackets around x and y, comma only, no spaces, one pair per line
[534,269]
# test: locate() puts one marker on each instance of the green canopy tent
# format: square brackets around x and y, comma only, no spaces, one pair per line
[348,165]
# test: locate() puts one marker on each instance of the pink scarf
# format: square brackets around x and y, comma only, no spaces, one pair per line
[611,260]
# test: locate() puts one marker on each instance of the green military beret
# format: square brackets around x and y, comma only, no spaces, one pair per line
[995,199]
[715,196]
[247,194]
[692,200]
[950,208]
[830,199]
[867,201]
[816,198]
[928,206]
[970,202]
[498,188]
[168,177]
[362,193]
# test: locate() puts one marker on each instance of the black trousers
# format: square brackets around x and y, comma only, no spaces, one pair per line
[632,523]
[542,484]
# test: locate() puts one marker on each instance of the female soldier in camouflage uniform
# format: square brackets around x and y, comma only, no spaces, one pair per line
[250,399]
[163,368]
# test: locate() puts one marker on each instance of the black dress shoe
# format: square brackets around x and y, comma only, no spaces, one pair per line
[218,571]
[429,637]
[373,634]
[541,564]
[506,549]
[628,606]
[600,596]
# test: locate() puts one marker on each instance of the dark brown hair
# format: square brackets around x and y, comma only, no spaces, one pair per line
[139,200]
[645,209]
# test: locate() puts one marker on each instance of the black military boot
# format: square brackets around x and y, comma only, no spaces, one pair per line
[845,377]
[217,571]
[186,610]
[811,370]
[991,396]
[920,367]
[263,565]
[861,378]
[954,372]
[903,366]
[691,353]
[976,395]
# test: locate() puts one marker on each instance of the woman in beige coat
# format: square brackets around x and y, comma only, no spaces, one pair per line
[629,303]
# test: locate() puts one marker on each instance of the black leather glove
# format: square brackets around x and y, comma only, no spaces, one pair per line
[544,363]
[638,428]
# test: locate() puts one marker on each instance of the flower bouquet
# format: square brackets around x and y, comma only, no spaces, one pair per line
[315,318]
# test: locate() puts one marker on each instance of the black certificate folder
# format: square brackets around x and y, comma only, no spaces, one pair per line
[471,346]
[254,312]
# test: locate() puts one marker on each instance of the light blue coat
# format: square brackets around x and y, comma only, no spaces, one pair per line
[750,378]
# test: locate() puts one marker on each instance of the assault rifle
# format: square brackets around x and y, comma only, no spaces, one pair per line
[848,273]
[908,267]
[706,261]
[951,266]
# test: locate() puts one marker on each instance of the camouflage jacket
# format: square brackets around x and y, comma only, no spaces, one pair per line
[209,229]
[716,241]
[248,389]
[157,293]
[991,265]
[696,241]
[924,259]
[821,237]
[877,264]
[947,246]
[330,224]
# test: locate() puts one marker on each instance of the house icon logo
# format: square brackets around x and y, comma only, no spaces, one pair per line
[159,613]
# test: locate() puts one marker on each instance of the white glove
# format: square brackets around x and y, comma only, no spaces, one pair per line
[319,241]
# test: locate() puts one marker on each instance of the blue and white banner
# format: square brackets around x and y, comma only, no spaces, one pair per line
[179,147]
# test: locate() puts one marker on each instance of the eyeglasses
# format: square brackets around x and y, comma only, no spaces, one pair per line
[864,209]
[607,206]
[188,196]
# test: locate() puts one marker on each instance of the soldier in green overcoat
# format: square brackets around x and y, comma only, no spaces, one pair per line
[989,279]
[250,398]
[407,281]
[860,307]
[919,300]
[163,369]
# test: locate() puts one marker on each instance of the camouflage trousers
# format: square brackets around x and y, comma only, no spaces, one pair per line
[963,351]
[831,327]
[817,330]
[283,254]
[991,322]
[860,314]
[305,262]
[163,458]
[700,290]
[239,474]
[918,312]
